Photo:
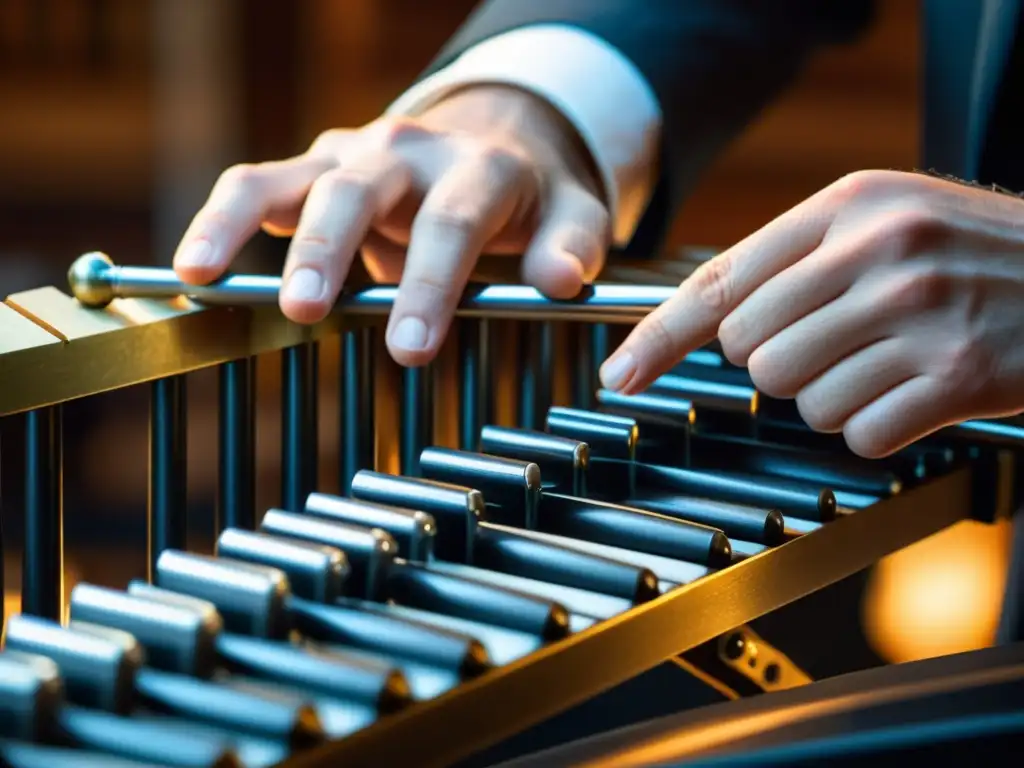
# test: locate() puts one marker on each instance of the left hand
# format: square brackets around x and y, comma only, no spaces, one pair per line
[888,304]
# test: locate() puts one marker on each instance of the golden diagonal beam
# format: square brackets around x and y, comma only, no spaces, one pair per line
[55,350]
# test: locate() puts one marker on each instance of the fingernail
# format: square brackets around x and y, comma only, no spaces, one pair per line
[617,371]
[196,254]
[304,284]
[410,334]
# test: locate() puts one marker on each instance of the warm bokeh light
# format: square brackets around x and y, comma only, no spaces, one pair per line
[942,595]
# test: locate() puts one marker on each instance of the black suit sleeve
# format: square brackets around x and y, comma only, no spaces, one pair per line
[713,64]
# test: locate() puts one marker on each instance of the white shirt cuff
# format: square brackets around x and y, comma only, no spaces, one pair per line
[594,86]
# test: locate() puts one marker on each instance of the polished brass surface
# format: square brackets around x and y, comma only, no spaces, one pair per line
[508,700]
[25,348]
[129,342]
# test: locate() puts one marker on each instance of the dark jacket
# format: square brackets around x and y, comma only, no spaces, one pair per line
[714,64]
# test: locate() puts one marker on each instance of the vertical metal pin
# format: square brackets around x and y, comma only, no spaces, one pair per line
[536,350]
[43,564]
[168,508]
[236,488]
[584,383]
[474,381]
[298,425]
[358,431]
[416,414]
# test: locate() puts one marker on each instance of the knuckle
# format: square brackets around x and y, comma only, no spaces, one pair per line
[453,215]
[312,248]
[328,141]
[965,368]
[859,184]
[918,289]
[430,292]
[240,178]
[501,158]
[350,181]
[916,229]
[712,282]
[396,131]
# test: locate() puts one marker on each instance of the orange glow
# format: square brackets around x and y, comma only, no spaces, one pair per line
[942,595]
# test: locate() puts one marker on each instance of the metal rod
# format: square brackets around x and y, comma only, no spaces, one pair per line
[43,562]
[298,425]
[475,381]
[95,282]
[536,351]
[584,378]
[358,430]
[417,423]
[168,504]
[236,488]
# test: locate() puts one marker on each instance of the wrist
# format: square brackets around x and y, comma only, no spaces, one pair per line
[522,118]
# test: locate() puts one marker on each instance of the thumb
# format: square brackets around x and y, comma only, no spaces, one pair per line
[569,247]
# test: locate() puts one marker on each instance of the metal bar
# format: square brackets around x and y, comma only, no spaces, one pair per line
[95,282]
[571,671]
[298,426]
[236,487]
[43,560]
[584,383]
[535,353]
[168,468]
[53,349]
[416,412]
[358,428]
[474,381]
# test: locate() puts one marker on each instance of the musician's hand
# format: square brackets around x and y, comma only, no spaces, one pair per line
[889,305]
[487,170]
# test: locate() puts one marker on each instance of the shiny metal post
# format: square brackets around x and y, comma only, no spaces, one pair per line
[43,559]
[299,371]
[168,461]
[358,425]
[236,421]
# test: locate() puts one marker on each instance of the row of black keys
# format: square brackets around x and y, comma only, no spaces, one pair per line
[398,593]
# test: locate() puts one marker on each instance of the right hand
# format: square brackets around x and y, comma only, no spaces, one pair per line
[489,169]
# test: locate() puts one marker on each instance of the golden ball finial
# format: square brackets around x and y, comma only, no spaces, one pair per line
[89,281]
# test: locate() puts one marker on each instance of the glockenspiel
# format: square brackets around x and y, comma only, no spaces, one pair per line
[456,592]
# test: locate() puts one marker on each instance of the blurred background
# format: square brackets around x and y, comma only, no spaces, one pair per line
[116,116]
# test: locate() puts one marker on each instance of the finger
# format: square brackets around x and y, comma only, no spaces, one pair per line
[810,283]
[827,402]
[570,244]
[902,415]
[241,199]
[691,317]
[338,213]
[469,203]
[799,353]
[795,293]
